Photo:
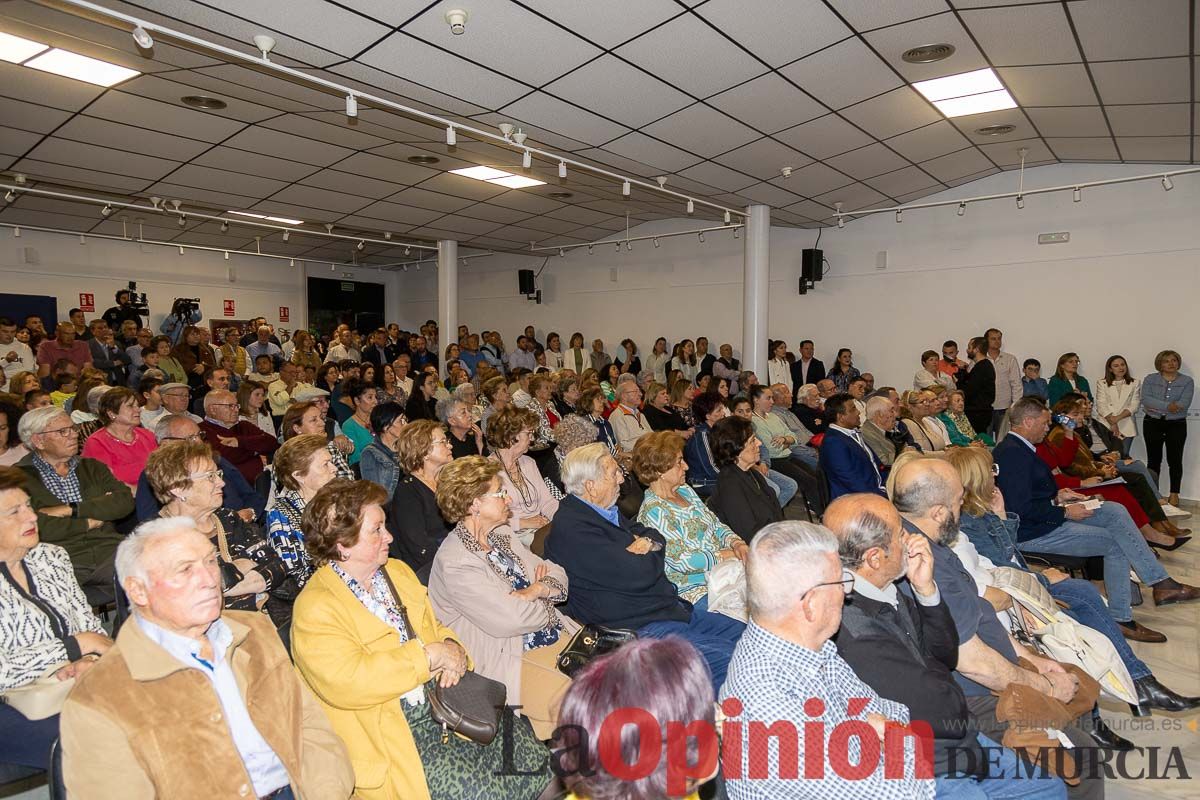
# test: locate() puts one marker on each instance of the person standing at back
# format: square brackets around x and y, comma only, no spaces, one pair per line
[1009,388]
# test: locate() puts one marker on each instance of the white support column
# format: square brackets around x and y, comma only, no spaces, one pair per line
[756,290]
[447,297]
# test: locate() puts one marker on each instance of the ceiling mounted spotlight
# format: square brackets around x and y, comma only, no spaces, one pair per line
[9,196]
[561,253]
[181,250]
[1166,183]
[728,217]
[691,207]
[17,234]
[899,216]
[418,266]
[176,204]
[351,105]
[562,169]
[737,233]
[590,249]
[962,208]
[226,255]
[451,136]
[656,242]
[628,246]
[104,212]
[526,160]
[331,269]
[625,189]
[841,222]
[786,171]
[456,18]
[329,227]
[407,250]
[520,136]
[701,237]
[286,234]
[182,220]
[404,267]
[386,235]
[662,181]
[360,245]
[224,226]
[618,247]
[291,262]
[265,45]
[506,129]
[1020,201]
[142,38]
[1076,195]
[156,202]
[82,239]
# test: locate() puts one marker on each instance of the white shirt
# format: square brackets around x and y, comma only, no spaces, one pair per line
[889,594]
[25,361]
[779,371]
[339,352]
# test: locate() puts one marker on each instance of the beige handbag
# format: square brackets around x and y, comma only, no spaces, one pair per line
[41,699]
[1026,590]
[1071,643]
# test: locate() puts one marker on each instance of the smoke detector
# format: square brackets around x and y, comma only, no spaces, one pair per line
[457,20]
[786,171]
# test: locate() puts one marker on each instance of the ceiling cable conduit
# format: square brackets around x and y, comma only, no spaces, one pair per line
[648,237]
[161,208]
[1021,193]
[260,61]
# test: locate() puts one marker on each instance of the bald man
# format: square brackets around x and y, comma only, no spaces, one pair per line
[929,495]
[898,635]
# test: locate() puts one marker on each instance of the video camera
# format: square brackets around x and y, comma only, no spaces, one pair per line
[138,301]
[186,308]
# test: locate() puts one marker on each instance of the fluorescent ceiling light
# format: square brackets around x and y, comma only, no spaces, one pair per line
[14,49]
[249,214]
[286,221]
[967,93]
[517,182]
[976,104]
[498,177]
[481,173]
[81,68]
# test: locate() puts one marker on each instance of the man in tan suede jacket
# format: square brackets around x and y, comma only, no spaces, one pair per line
[191,702]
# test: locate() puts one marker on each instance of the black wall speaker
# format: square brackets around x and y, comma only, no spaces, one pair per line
[525,281]
[811,262]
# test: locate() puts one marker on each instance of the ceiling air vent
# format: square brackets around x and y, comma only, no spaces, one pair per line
[562,195]
[422,159]
[928,53]
[204,102]
[995,130]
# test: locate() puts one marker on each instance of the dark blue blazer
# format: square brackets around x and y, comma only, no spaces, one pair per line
[1028,487]
[608,584]
[816,372]
[848,467]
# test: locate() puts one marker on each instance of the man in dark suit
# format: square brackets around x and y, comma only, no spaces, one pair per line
[704,359]
[806,369]
[1054,521]
[377,351]
[847,461]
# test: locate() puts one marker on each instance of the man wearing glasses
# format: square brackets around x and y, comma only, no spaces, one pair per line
[175,399]
[787,675]
[241,443]
[77,500]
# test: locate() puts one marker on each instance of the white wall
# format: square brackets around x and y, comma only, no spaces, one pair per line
[39,263]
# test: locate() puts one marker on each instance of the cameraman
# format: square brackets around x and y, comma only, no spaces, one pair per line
[122,311]
[184,312]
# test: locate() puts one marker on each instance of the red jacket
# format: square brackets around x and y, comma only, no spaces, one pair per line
[252,446]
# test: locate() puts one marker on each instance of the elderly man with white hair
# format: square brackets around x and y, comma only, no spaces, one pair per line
[787,675]
[627,420]
[77,500]
[616,565]
[191,701]
[242,443]
[881,433]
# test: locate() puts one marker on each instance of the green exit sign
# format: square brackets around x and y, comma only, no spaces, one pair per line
[347,286]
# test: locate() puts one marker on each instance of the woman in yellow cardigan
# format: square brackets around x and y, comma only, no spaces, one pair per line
[369,667]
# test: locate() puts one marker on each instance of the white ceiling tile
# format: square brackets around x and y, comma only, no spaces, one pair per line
[908,197]
[306,213]
[686,52]
[777,31]
[20,216]
[298,148]
[1114,29]
[79,154]
[769,194]
[843,74]
[124,137]
[553,114]
[458,186]
[1008,116]
[341,133]
[223,181]
[168,91]
[621,20]
[985,3]
[35,86]
[216,199]
[866,162]
[865,15]
[14,142]
[763,159]
[1059,85]
[824,137]
[813,180]
[1006,153]
[768,103]
[234,160]
[583,216]
[326,25]
[973,177]
[154,115]
[467,225]
[1022,35]
[397,213]
[1164,80]
[1151,120]
[1173,149]
[297,194]
[702,130]
[902,181]
[641,147]
[491,213]
[1093,148]
[30,116]
[413,60]
[893,113]
[716,175]
[811,209]
[928,142]
[421,198]
[1069,121]
[387,169]
[538,136]
[338,181]
[853,197]
[507,38]
[75,176]
[955,165]
[398,90]
[257,84]
[942,29]
[614,89]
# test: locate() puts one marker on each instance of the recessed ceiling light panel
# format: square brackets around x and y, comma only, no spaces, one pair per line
[81,68]
[967,93]
[14,49]
[286,220]
[481,173]
[517,182]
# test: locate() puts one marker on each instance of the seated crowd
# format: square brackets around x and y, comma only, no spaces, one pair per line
[334,537]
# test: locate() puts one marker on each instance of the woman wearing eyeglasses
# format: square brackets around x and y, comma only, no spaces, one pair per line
[534,504]
[186,480]
[413,518]
[497,596]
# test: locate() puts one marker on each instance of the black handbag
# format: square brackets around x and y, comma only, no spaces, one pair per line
[471,707]
[592,641]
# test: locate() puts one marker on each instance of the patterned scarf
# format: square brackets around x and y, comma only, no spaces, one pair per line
[377,599]
[65,488]
[505,563]
[963,424]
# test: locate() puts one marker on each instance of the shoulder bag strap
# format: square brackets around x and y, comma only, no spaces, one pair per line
[412,634]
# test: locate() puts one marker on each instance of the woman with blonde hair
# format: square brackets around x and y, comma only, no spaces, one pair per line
[422,448]
[23,382]
[498,596]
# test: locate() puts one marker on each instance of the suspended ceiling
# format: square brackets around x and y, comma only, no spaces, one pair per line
[717,95]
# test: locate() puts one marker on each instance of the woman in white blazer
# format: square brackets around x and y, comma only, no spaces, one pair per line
[1117,399]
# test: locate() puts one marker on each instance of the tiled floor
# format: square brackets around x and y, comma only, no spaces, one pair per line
[1176,664]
